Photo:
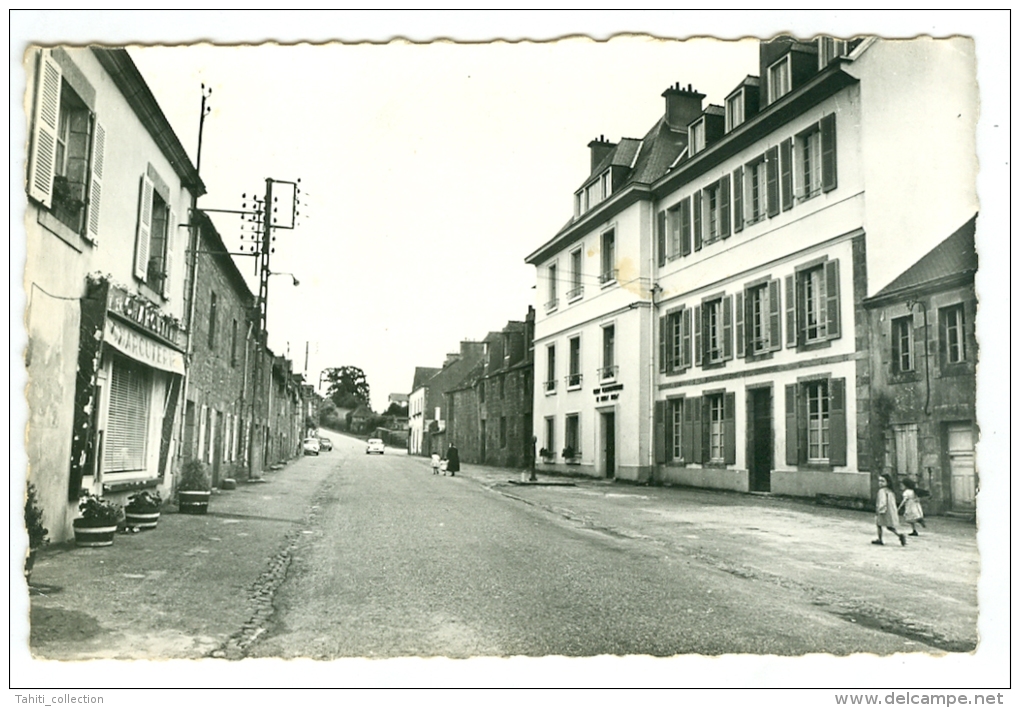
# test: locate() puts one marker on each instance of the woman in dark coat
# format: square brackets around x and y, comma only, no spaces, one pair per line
[452,460]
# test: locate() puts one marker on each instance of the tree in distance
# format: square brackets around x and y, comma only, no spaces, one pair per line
[348,387]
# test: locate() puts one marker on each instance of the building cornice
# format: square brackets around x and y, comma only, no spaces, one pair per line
[129,81]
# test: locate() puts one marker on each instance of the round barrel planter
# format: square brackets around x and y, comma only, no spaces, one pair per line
[190,502]
[93,536]
[143,520]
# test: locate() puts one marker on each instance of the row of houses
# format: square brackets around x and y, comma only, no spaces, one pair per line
[771,295]
[775,294]
[142,351]
[480,400]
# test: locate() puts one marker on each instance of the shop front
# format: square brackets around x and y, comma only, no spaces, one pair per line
[130,371]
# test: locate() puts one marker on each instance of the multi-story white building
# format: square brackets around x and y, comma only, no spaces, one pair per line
[109,187]
[721,342]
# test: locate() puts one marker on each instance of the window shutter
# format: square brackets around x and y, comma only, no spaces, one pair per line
[201,434]
[697,221]
[685,346]
[775,336]
[837,422]
[96,181]
[832,299]
[687,436]
[704,431]
[168,262]
[697,335]
[791,424]
[660,432]
[127,419]
[829,152]
[662,238]
[42,162]
[786,172]
[144,229]
[685,227]
[727,327]
[662,344]
[772,180]
[724,207]
[730,429]
[738,200]
[738,312]
[791,312]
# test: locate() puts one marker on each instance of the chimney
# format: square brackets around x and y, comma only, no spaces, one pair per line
[599,147]
[683,105]
[451,358]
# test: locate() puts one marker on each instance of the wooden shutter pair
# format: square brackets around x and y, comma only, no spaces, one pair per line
[42,167]
[795,305]
[143,238]
[796,424]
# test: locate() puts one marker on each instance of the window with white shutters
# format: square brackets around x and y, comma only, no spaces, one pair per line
[128,417]
[66,151]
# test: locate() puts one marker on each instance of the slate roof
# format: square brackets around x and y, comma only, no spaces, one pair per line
[954,256]
[421,375]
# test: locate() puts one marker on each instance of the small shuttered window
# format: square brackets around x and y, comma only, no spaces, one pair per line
[127,419]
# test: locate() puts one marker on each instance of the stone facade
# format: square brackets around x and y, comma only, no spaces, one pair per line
[218,409]
[923,360]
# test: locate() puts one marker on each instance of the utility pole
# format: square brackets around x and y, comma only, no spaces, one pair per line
[265,233]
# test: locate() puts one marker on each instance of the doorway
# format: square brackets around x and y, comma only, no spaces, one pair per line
[963,479]
[609,443]
[760,442]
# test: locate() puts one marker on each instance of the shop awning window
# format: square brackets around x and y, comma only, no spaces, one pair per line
[127,421]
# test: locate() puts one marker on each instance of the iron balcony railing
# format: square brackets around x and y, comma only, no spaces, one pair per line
[573,380]
[607,373]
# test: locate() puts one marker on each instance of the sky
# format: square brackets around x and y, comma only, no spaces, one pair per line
[431,169]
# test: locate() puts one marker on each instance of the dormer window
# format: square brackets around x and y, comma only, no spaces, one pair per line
[779,79]
[735,111]
[696,136]
[606,183]
[829,49]
[594,194]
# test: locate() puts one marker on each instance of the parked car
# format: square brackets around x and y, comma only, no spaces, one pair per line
[325,444]
[310,446]
[375,445]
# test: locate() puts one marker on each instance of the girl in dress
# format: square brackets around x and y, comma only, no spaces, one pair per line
[913,514]
[885,510]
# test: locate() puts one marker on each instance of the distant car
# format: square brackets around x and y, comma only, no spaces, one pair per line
[375,445]
[310,446]
[325,444]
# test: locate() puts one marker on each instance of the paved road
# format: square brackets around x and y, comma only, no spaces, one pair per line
[398,562]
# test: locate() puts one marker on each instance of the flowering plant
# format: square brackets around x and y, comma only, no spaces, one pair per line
[144,502]
[96,511]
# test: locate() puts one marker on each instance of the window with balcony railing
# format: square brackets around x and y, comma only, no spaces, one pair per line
[573,380]
[608,373]
[550,386]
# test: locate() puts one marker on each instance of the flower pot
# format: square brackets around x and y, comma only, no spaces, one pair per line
[143,520]
[93,536]
[190,502]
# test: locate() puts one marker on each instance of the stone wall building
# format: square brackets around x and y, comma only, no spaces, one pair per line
[924,355]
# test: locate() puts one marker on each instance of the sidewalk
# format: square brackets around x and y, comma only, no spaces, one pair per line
[926,591]
[183,589]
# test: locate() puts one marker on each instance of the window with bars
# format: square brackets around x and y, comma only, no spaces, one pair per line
[124,441]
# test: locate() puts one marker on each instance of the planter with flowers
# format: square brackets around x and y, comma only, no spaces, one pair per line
[194,489]
[37,533]
[98,522]
[142,510]
[571,456]
[547,455]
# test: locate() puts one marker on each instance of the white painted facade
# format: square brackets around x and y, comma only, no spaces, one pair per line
[893,130]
